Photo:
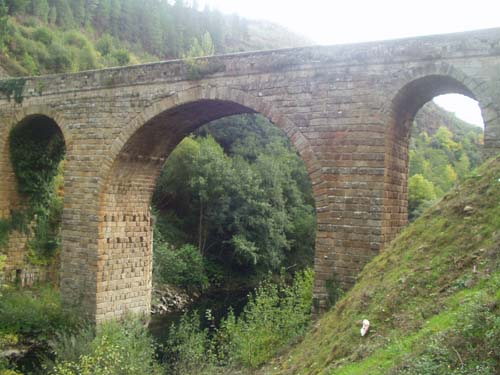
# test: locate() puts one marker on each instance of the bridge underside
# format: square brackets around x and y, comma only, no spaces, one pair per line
[347,110]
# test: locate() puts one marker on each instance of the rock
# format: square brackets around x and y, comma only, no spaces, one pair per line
[167,299]
[468,210]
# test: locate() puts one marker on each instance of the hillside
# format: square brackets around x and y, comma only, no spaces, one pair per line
[432,297]
[432,116]
[48,36]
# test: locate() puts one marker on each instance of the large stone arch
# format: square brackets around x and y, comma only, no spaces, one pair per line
[417,87]
[223,94]
[124,259]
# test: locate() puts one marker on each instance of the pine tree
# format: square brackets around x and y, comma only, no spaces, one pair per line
[3,23]
[52,15]
[40,9]
[64,14]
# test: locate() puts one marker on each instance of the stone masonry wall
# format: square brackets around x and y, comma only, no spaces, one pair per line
[343,107]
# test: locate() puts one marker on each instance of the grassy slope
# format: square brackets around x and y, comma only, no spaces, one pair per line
[432,297]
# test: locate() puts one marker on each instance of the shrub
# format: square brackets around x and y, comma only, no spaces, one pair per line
[60,59]
[30,64]
[76,38]
[87,58]
[43,34]
[182,267]
[189,348]
[275,316]
[122,56]
[119,348]
[34,314]
[105,44]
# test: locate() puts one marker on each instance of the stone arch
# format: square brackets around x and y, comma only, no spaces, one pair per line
[9,197]
[124,258]
[417,88]
[252,102]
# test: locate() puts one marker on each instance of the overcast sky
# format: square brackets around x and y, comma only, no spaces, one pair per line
[350,21]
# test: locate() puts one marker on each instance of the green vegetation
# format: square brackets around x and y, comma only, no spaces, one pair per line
[240,195]
[274,317]
[30,320]
[55,36]
[37,151]
[118,348]
[13,87]
[443,150]
[431,297]
[33,314]
[184,267]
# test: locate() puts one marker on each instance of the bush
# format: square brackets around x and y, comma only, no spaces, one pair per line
[76,38]
[105,44]
[34,314]
[119,348]
[182,267]
[190,349]
[60,59]
[122,56]
[43,34]
[275,316]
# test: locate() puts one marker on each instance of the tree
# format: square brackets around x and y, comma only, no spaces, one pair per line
[4,18]
[79,13]
[18,6]
[241,195]
[64,14]
[52,15]
[421,192]
[41,10]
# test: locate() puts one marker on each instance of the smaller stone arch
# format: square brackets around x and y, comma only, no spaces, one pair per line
[9,197]
[417,87]
[12,200]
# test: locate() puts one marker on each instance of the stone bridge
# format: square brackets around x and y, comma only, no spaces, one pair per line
[346,108]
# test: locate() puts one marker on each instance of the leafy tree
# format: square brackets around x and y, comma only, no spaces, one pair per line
[422,192]
[441,156]
[246,203]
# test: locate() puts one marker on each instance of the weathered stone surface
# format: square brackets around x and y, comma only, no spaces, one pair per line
[347,109]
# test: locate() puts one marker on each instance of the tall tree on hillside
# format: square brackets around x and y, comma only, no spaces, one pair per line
[3,23]
[78,7]
[64,14]
[102,16]
[90,11]
[40,9]
[18,6]
[115,17]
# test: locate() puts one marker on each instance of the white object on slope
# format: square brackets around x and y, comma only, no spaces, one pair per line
[366,327]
